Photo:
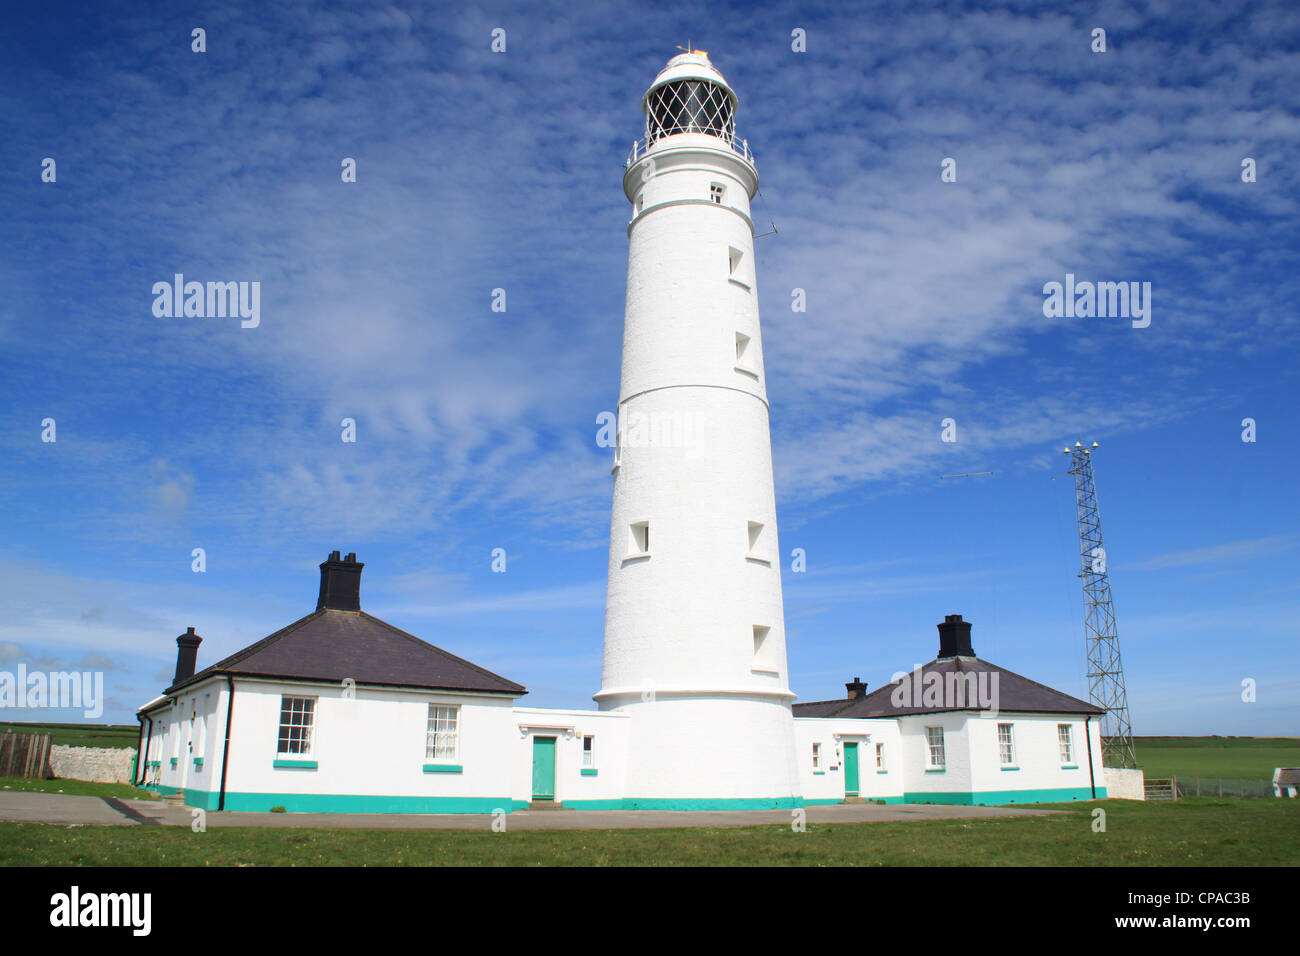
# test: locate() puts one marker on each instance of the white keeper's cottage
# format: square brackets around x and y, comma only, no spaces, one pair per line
[340,711]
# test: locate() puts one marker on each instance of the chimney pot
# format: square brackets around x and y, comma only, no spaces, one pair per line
[340,583]
[856,688]
[954,637]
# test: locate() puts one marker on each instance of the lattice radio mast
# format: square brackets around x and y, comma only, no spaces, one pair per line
[1105,672]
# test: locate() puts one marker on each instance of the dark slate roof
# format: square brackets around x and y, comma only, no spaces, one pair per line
[1015,694]
[330,645]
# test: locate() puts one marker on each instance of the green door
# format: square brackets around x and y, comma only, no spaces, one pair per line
[543,768]
[850,770]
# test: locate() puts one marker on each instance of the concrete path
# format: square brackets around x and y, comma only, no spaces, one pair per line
[96,811]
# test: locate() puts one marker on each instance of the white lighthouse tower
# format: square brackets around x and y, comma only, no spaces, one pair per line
[694,626]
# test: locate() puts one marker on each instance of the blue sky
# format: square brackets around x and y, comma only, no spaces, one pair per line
[477,429]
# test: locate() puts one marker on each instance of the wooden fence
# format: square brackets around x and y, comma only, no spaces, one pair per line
[1161,789]
[25,755]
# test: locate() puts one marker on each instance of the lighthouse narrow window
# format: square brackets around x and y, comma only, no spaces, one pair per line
[734,256]
[639,539]
[757,543]
[716,192]
[763,651]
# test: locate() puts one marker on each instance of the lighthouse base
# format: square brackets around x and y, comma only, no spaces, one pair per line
[693,751]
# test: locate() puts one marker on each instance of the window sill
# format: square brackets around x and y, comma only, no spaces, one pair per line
[443,768]
[819,773]
[1069,766]
[755,559]
[765,671]
[1010,768]
[589,771]
[936,770]
[734,281]
[746,371]
[636,559]
[882,771]
[286,764]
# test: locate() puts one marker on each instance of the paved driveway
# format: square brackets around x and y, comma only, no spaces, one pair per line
[98,811]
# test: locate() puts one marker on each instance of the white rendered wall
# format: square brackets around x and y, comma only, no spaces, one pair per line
[370,745]
[190,729]
[709,721]
[917,775]
[1037,755]
[832,733]
[573,788]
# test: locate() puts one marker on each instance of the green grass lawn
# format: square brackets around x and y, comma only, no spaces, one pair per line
[1244,758]
[80,788]
[1193,832]
[82,735]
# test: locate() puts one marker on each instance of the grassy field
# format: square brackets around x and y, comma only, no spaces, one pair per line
[1246,758]
[1193,832]
[80,788]
[82,735]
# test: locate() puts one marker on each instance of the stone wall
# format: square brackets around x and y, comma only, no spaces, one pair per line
[1125,784]
[98,764]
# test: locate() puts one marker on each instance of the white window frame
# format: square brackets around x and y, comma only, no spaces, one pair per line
[935,749]
[435,732]
[1007,745]
[817,754]
[717,192]
[1065,743]
[309,725]
[880,758]
[588,751]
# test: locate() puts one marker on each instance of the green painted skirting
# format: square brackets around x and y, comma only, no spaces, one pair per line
[1002,797]
[342,803]
[699,803]
[199,799]
[443,768]
[589,771]
[295,764]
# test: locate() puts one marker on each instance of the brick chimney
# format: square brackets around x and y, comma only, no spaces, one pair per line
[954,637]
[340,583]
[855,688]
[187,654]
